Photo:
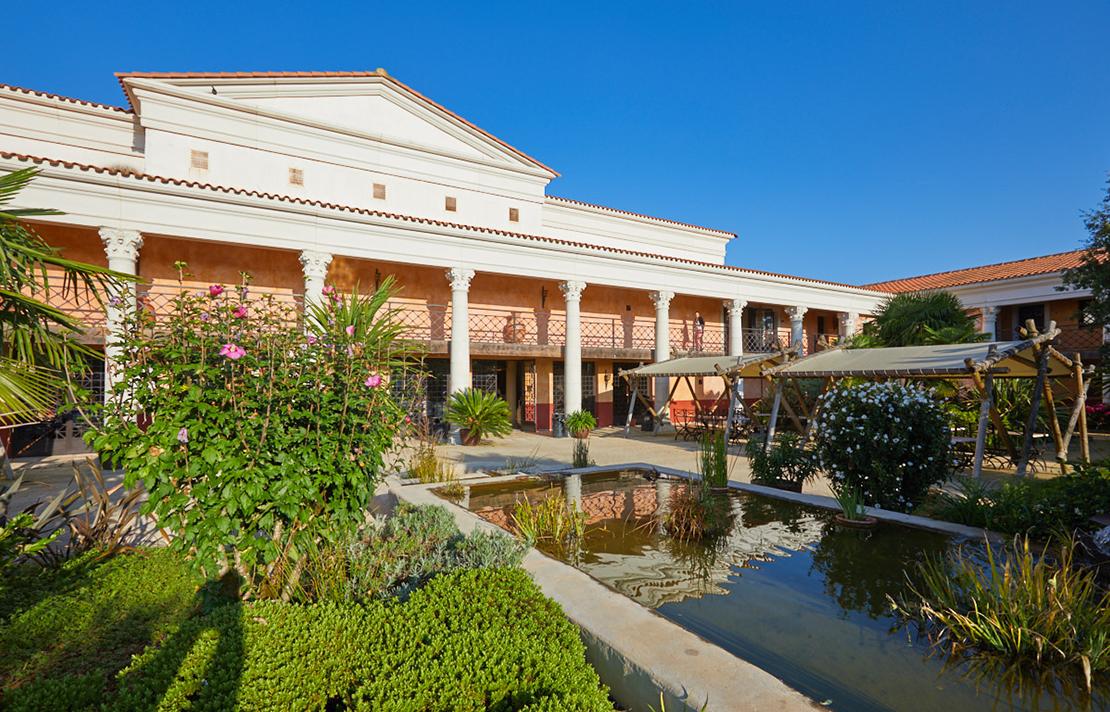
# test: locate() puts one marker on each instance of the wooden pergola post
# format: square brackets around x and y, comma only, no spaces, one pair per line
[985,407]
[1034,403]
[774,414]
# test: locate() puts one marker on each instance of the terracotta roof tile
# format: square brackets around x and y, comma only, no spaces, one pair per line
[618,211]
[324,75]
[1028,267]
[68,99]
[129,174]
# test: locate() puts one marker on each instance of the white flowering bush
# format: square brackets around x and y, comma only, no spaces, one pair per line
[888,441]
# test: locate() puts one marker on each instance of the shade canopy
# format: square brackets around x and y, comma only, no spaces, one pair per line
[747,365]
[1005,359]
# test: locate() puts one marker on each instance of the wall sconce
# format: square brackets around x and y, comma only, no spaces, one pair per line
[608,377]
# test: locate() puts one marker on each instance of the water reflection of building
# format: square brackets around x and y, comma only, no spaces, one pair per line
[655,569]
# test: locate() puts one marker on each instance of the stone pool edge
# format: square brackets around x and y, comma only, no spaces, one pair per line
[813,500]
[636,652]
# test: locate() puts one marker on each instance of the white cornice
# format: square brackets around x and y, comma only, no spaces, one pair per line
[648,220]
[1017,290]
[55,102]
[96,199]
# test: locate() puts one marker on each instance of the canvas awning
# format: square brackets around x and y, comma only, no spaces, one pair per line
[748,365]
[1004,359]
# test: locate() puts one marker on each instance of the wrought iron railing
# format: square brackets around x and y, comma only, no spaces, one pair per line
[618,333]
[1079,339]
[764,341]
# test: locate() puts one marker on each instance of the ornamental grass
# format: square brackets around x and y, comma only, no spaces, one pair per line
[1030,609]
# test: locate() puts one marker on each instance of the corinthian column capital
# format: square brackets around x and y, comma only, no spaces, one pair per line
[120,244]
[460,278]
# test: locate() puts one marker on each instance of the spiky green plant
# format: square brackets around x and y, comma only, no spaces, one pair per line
[851,503]
[1047,611]
[480,413]
[713,459]
[552,520]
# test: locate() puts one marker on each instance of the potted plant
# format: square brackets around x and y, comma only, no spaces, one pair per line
[786,465]
[479,414]
[580,423]
[853,513]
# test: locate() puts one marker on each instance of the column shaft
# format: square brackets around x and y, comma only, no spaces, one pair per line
[572,351]
[122,248]
[735,326]
[662,301]
[460,328]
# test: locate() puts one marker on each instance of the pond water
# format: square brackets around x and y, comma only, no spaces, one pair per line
[787,589]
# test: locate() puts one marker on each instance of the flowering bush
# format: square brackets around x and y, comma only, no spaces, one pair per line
[888,441]
[254,435]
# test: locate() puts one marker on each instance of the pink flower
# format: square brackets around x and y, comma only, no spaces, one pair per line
[350,330]
[233,351]
[310,339]
[183,436]
[329,289]
[215,290]
[373,380]
[240,311]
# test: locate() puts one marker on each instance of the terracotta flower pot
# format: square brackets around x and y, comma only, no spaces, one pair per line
[581,434]
[865,523]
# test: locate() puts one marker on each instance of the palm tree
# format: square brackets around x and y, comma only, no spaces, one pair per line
[38,349]
[917,318]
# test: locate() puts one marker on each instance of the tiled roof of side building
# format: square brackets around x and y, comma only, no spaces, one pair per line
[67,99]
[126,173]
[120,76]
[1028,267]
[618,211]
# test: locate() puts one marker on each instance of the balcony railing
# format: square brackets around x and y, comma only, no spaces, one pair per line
[1078,339]
[764,341]
[614,333]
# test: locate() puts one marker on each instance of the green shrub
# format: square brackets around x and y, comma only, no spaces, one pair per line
[480,413]
[1020,606]
[415,544]
[787,461]
[471,640]
[888,441]
[263,439]
[65,631]
[1039,508]
[580,421]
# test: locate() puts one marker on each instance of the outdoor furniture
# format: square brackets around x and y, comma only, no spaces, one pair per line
[1035,357]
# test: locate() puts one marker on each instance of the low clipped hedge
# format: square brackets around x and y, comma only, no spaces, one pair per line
[468,640]
[65,632]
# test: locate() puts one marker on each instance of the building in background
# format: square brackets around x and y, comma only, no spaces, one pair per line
[305,179]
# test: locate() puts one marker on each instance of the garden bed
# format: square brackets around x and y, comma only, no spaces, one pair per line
[480,638]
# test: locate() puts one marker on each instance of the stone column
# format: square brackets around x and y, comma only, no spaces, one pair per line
[735,326]
[122,248]
[848,321]
[662,302]
[460,328]
[797,332]
[572,352]
[314,265]
[988,321]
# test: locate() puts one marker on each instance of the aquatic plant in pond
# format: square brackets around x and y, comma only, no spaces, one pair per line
[851,503]
[581,454]
[696,513]
[552,520]
[1020,605]
[713,459]
[890,442]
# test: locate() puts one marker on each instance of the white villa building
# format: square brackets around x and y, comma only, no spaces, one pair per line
[309,178]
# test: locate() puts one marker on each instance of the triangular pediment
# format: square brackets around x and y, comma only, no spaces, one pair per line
[369,103]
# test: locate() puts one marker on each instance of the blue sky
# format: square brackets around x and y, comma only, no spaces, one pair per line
[841,140]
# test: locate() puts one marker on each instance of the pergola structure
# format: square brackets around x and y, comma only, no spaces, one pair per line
[732,369]
[980,363]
